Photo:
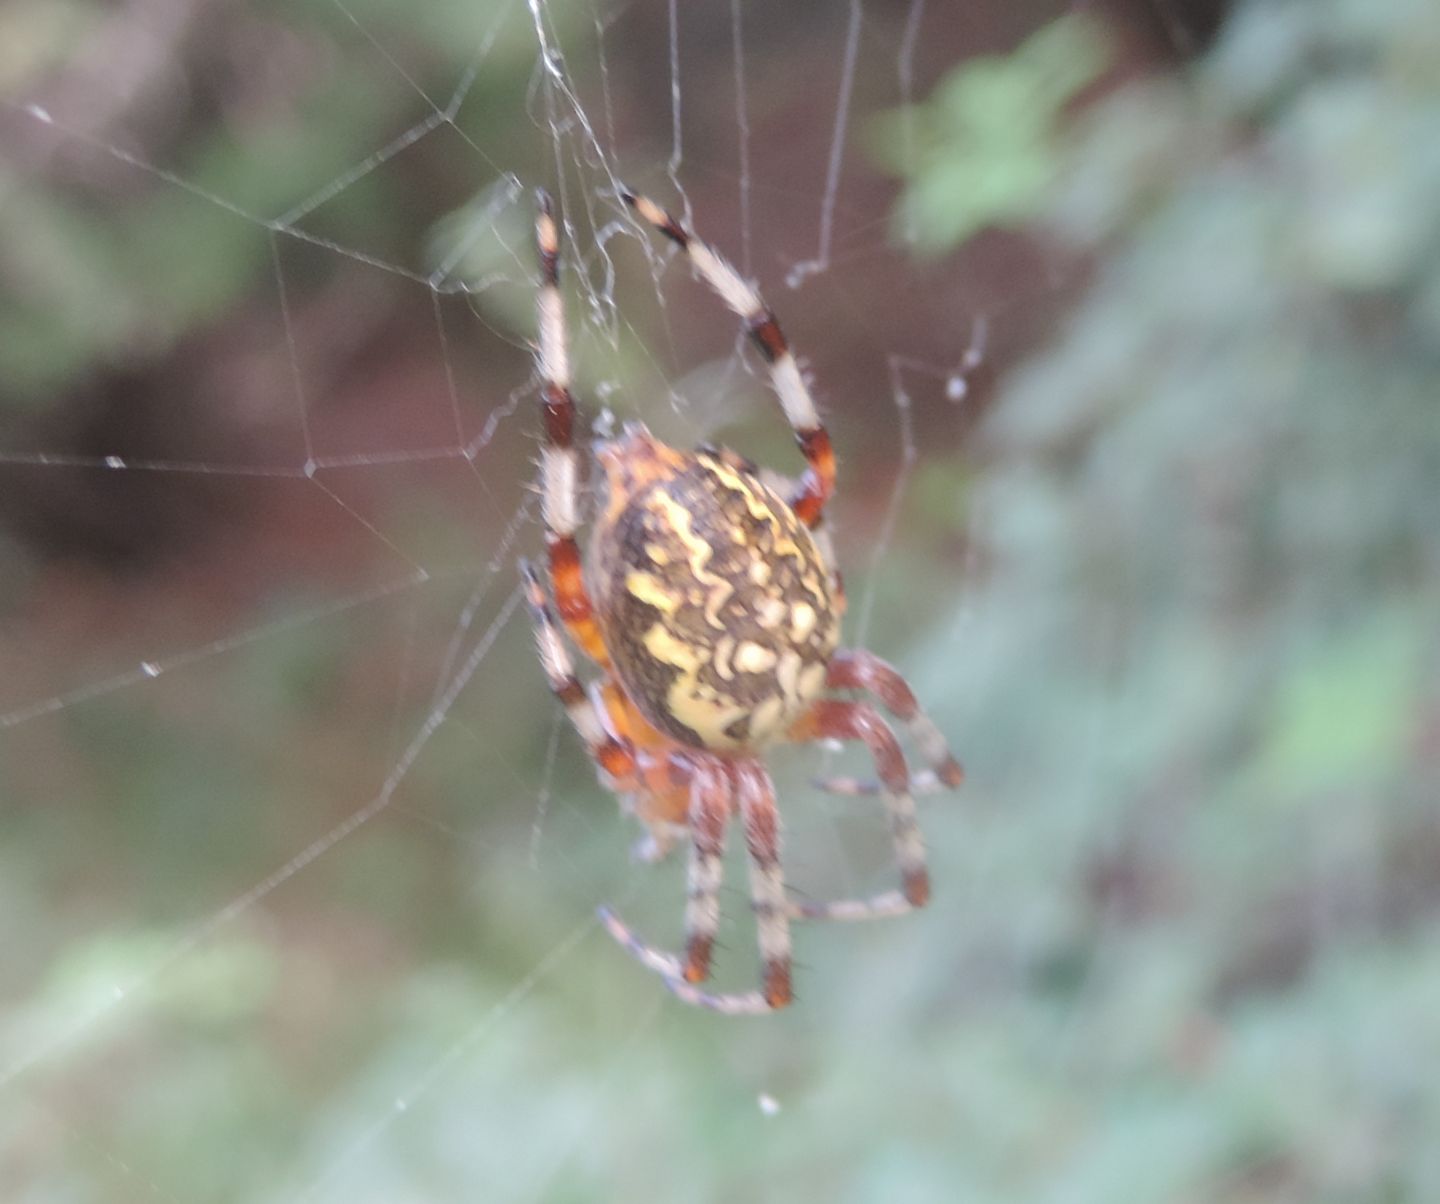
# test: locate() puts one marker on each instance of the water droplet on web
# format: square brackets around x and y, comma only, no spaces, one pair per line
[40,114]
[956,388]
[769,1105]
[150,668]
[114,462]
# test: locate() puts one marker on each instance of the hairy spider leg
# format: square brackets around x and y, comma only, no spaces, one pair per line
[857,669]
[667,966]
[710,804]
[817,484]
[559,461]
[614,756]
[756,793]
[663,805]
[836,719]
[644,769]
[715,788]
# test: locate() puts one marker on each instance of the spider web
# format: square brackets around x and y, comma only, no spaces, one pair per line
[301,846]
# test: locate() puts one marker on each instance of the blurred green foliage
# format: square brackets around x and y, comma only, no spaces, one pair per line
[1205,652]
[985,148]
[93,280]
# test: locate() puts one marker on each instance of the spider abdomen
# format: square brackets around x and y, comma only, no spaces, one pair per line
[716,605]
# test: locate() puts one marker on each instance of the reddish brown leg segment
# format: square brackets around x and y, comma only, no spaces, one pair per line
[834,719]
[858,669]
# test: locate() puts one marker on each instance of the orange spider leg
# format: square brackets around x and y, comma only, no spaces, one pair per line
[627,721]
[614,754]
[572,600]
[661,800]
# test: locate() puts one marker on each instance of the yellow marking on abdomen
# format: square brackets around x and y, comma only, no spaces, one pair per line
[647,588]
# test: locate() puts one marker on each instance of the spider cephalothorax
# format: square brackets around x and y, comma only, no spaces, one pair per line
[711,602]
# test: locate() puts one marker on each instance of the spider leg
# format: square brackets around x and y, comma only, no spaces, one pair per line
[663,805]
[709,814]
[615,757]
[921,784]
[858,669]
[818,482]
[835,719]
[756,793]
[667,966]
[559,461]
[710,807]
[710,810]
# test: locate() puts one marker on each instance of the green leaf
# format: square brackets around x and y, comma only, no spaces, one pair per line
[1343,719]
[983,150]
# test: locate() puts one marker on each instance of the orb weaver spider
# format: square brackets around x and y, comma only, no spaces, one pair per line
[710,602]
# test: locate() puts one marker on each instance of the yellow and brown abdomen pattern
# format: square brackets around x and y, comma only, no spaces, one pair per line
[716,604]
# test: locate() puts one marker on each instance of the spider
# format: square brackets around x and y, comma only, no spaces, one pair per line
[710,602]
